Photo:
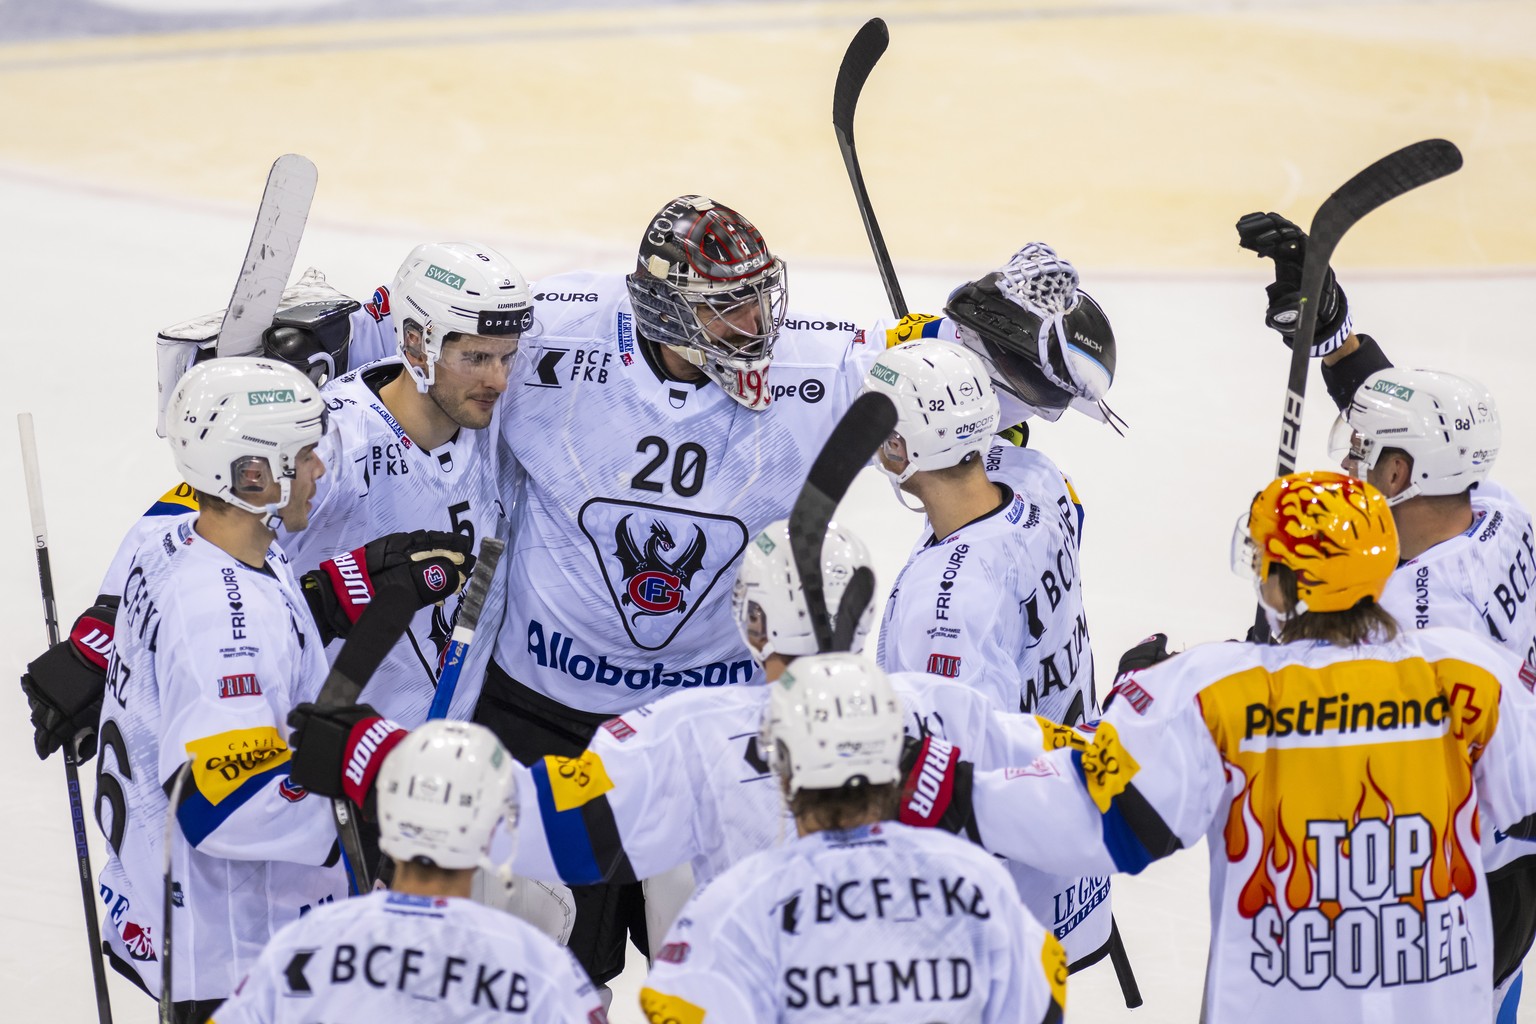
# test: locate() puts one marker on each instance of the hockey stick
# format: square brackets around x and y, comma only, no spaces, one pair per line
[374,634]
[269,257]
[863,53]
[71,752]
[1385,180]
[168,900]
[855,439]
[468,621]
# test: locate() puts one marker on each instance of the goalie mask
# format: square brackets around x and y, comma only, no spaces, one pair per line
[441,793]
[833,720]
[1448,426]
[1333,531]
[1046,343]
[446,288]
[707,287]
[238,424]
[769,602]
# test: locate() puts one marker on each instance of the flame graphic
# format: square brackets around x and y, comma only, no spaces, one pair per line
[1283,783]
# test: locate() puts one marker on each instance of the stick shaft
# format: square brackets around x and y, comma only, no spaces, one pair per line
[34,483]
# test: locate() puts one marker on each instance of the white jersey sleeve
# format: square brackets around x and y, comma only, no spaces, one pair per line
[372,332]
[882,920]
[395,956]
[674,782]
[174,507]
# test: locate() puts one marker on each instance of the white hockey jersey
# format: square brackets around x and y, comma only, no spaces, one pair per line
[882,922]
[641,495]
[998,604]
[209,656]
[684,781]
[1339,792]
[392,956]
[378,481]
[1480,581]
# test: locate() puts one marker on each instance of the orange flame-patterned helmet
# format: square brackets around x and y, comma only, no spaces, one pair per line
[1333,531]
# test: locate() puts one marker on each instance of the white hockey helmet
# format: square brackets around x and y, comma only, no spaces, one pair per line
[441,793]
[232,417]
[832,720]
[946,407]
[769,602]
[447,288]
[698,254]
[1447,424]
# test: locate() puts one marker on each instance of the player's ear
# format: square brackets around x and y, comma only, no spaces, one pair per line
[414,350]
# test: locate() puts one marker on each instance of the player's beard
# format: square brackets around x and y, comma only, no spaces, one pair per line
[462,409]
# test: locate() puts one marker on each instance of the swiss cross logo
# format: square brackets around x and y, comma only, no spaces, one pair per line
[946,665]
[239,686]
[620,729]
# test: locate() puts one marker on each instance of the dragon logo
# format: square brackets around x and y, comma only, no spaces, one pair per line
[660,563]
[655,580]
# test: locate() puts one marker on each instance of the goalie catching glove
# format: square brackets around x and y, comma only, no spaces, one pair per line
[339,748]
[64,686]
[936,787]
[1273,237]
[430,565]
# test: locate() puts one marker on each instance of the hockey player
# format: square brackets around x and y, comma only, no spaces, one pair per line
[415,445]
[625,540]
[1428,440]
[216,644]
[412,445]
[1340,780]
[422,951]
[860,916]
[992,595]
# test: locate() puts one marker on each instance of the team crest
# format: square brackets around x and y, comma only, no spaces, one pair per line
[658,562]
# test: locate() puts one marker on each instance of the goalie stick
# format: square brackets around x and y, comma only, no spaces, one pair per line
[34,483]
[468,620]
[1384,180]
[377,630]
[855,439]
[269,258]
[863,54]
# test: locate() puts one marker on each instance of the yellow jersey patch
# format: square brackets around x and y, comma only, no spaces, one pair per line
[181,495]
[660,1008]
[909,328]
[574,781]
[1107,767]
[1053,958]
[222,763]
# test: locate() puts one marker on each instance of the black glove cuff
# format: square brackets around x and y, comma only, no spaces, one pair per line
[323,607]
[1344,377]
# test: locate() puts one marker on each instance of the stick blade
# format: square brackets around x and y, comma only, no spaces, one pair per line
[852,443]
[863,54]
[269,256]
[1385,180]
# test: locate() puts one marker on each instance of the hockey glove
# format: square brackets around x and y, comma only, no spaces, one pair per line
[65,685]
[1144,655]
[427,565]
[1273,237]
[936,787]
[338,749]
